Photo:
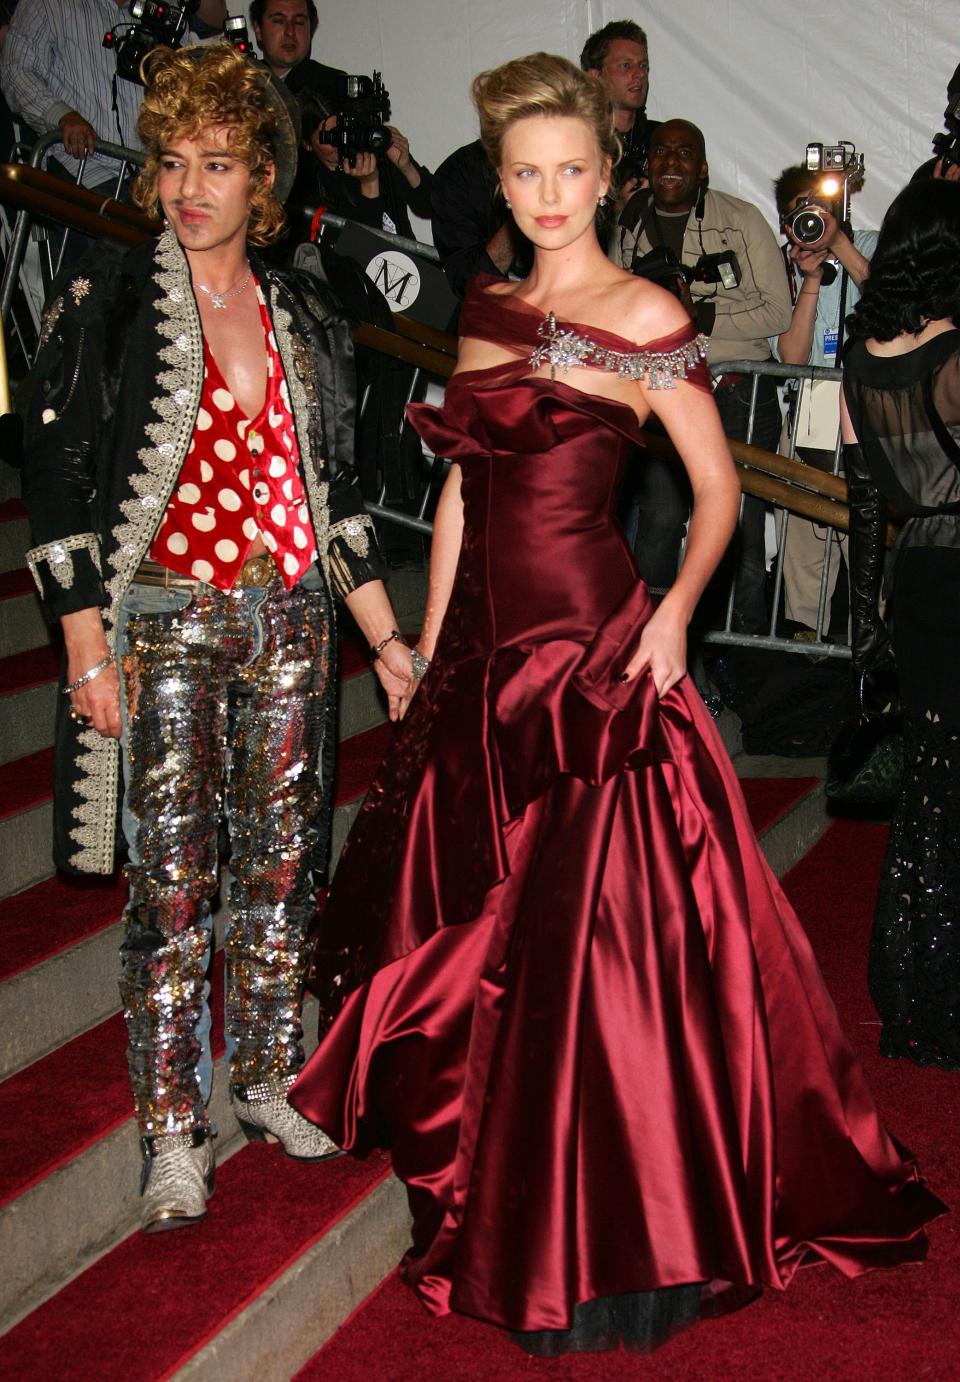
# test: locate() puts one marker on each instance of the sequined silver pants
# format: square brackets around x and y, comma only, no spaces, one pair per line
[223,700]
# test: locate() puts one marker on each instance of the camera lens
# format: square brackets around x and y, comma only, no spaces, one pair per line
[808,225]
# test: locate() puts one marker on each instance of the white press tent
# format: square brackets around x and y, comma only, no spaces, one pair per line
[761,78]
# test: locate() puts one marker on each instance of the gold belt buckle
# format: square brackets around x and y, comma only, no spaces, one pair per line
[256,571]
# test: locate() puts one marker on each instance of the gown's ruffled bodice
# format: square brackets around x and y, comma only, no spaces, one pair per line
[559,979]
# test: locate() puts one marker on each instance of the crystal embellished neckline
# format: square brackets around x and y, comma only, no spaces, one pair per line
[219,300]
[564,348]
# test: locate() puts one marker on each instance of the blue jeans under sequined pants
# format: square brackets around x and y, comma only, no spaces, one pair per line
[223,700]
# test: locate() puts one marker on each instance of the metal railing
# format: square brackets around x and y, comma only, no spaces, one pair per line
[19,233]
[798,474]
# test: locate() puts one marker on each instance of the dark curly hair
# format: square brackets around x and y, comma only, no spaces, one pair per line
[189,89]
[915,270]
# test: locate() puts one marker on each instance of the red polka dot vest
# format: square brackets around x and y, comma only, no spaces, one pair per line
[240,478]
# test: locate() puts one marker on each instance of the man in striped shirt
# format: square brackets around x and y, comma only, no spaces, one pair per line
[57,75]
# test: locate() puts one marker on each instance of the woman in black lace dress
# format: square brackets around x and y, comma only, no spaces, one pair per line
[902,449]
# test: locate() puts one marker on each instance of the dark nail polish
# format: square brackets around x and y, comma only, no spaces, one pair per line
[624,677]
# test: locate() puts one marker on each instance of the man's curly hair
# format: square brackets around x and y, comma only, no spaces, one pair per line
[915,269]
[188,90]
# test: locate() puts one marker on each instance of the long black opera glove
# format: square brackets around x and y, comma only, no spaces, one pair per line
[873,658]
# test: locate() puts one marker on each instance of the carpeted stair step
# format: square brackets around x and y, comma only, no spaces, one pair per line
[60,938]
[58,963]
[28,699]
[69,1154]
[26,820]
[22,625]
[286,1253]
[900,1323]
[787,804]
[14,534]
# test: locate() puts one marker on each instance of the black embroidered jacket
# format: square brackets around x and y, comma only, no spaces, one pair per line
[109,411]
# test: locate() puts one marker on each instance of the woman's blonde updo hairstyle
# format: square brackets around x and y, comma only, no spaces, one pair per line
[541,84]
[189,90]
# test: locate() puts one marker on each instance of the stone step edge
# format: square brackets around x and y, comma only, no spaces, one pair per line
[86,1196]
[295,1313]
[87,1189]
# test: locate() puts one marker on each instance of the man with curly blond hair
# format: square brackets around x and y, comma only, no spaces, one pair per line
[190,485]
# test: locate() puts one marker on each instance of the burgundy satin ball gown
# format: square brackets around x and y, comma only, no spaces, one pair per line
[557,978]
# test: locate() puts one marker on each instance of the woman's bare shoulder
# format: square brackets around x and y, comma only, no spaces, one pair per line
[641,311]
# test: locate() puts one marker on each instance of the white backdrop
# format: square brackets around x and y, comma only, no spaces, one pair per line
[760,77]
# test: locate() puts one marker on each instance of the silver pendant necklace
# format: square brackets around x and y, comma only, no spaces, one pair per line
[219,300]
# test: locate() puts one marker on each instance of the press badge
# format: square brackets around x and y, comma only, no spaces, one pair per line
[830,347]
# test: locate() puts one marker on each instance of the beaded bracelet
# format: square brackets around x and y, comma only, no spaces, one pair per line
[88,676]
[377,649]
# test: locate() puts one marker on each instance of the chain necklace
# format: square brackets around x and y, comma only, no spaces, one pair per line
[219,300]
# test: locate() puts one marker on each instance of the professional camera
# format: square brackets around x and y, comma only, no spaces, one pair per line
[660,265]
[161,25]
[946,145]
[362,108]
[155,24]
[842,173]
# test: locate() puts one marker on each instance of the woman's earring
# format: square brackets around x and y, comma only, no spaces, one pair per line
[506,202]
[603,200]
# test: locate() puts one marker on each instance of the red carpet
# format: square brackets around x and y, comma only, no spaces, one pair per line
[54,915]
[22,670]
[900,1324]
[770,798]
[26,782]
[54,1109]
[14,583]
[141,1311]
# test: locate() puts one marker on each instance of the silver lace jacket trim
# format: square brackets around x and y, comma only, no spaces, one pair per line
[355,531]
[564,348]
[57,556]
[172,414]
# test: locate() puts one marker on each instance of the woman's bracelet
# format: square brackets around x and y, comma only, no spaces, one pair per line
[101,666]
[377,648]
[420,664]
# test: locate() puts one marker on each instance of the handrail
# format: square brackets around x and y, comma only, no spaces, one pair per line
[78,207]
[18,239]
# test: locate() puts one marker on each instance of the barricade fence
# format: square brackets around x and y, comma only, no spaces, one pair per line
[795,493]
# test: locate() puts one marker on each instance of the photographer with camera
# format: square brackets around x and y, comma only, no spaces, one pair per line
[618,55]
[377,186]
[57,74]
[827,263]
[720,257]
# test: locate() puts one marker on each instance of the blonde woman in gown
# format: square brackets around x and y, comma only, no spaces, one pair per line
[557,977]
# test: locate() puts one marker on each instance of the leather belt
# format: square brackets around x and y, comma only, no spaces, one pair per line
[255,573]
